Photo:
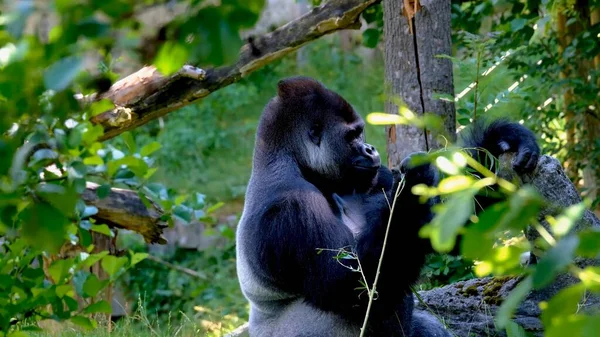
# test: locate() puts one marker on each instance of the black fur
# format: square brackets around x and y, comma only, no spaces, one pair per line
[310,196]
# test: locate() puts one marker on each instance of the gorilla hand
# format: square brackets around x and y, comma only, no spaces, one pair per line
[418,173]
[502,136]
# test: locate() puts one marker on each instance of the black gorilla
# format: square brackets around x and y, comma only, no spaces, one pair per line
[317,187]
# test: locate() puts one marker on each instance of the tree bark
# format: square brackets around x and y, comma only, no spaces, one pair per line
[416,32]
[147,95]
[124,209]
[591,174]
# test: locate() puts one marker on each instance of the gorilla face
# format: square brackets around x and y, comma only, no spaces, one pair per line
[324,132]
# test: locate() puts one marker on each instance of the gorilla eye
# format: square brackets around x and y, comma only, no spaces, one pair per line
[354,134]
[315,133]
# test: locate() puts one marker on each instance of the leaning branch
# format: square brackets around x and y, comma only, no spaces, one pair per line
[124,209]
[146,95]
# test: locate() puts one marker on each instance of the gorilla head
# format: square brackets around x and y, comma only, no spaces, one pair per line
[321,132]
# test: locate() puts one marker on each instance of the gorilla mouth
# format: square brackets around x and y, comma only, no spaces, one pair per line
[373,167]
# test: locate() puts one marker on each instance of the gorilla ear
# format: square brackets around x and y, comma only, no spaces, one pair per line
[297,87]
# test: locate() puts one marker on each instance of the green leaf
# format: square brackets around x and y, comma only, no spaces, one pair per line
[130,142]
[103,229]
[215,207]
[574,325]
[43,226]
[59,270]
[567,219]
[183,212]
[112,264]
[524,206]
[90,259]
[93,160]
[84,322]
[588,243]
[555,260]
[137,258]
[63,199]
[18,334]
[62,290]
[89,211]
[103,191]
[136,165]
[92,28]
[74,137]
[90,133]
[450,217]
[60,75]
[77,170]
[71,303]
[171,57]
[510,304]
[371,37]
[562,304]
[515,330]
[43,157]
[101,106]
[100,306]
[92,285]
[148,149]
[517,24]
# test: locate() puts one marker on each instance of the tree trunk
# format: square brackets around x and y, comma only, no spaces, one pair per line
[416,32]
[591,175]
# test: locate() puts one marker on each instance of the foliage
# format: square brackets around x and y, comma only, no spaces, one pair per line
[548,47]
[163,291]
[443,269]
[49,149]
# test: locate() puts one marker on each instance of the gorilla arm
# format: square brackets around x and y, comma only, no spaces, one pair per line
[408,216]
[499,137]
[297,227]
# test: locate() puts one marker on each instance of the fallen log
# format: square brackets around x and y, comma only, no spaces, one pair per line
[124,209]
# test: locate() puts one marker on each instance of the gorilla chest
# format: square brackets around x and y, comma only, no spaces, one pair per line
[350,212]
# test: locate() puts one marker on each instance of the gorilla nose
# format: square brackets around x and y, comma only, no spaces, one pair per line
[369,157]
[370,150]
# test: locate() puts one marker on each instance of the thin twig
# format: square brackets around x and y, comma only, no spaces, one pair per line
[387,230]
[184,270]
[476,85]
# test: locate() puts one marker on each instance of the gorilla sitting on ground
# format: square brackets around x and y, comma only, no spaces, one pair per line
[316,187]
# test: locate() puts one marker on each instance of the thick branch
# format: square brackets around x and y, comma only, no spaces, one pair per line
[146,95]
[124,209]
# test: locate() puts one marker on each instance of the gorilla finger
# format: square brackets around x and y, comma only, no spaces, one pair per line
[532,163]
[521,161]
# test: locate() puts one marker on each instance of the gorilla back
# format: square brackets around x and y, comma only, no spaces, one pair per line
[318,189]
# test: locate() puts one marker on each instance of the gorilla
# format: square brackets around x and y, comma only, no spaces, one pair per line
[316,190]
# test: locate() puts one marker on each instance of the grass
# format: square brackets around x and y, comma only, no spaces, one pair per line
[139,324]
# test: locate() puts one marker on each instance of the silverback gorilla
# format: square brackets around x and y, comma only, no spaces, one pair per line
[317,187]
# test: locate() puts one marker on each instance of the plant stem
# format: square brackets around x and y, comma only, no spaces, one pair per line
[476,84]
[374,289]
